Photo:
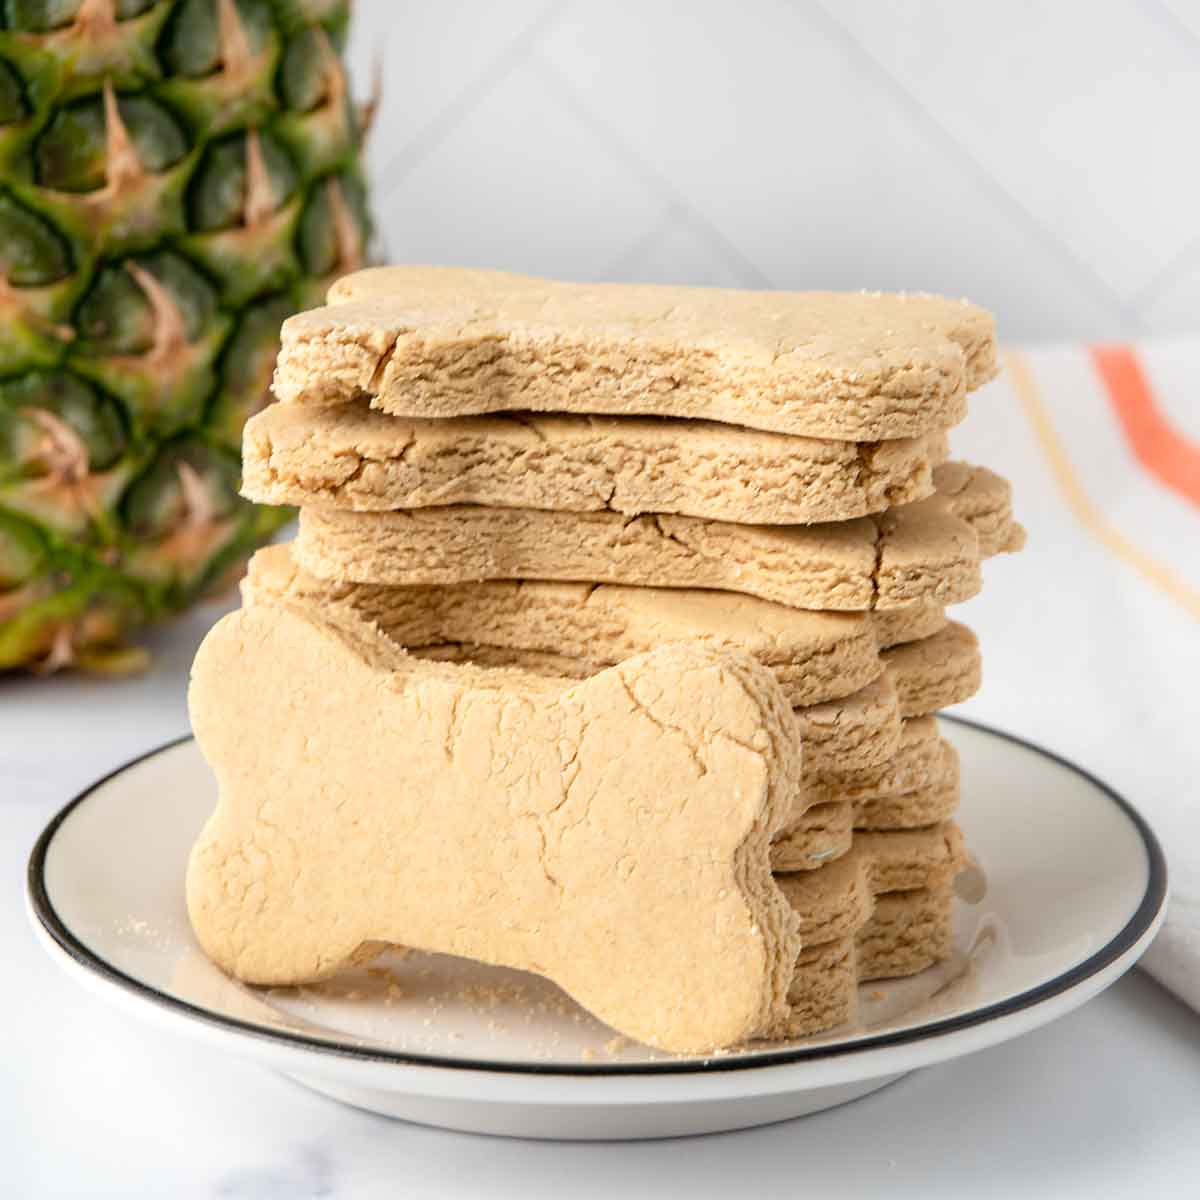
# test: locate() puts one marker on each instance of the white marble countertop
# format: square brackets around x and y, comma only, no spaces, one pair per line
[1101,1104]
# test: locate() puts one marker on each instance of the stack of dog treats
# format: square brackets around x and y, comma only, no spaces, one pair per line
[509,472]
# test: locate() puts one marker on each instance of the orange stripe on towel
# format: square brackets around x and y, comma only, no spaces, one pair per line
[1165,452]
[1077,499]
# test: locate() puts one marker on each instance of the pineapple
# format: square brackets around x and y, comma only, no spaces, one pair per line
[176,177]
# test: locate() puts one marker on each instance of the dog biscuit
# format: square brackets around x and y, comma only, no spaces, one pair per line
[853,733]
[937,671]
[612,835]
[815,656]
[445,342]
[984,500]
[907,624]
[836,899]
[857,731]
[357,459]
[922,760]
[921,553]
[822,827]
[877,931]
[906,933]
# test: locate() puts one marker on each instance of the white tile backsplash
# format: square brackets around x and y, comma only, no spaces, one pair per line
[1079,110]
[1037,157]
[509,186]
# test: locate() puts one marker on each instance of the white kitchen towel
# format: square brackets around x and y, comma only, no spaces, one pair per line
[1091,636]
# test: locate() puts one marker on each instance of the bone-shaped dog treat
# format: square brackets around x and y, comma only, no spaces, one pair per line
[803,566]
[826,830]
[882,911]
[862,730]
[984,500]
[908,624]
[855,732]
[444,342]
[831,566]
[859,730]
[937,671]
[906,933]
[818,835]
[611,835]
[922,759]
[358,459]
[836,899]
[920,553]
[917,787]
[814,656]
[937,801]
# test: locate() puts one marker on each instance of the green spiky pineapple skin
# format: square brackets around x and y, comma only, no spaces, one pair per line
[88,373]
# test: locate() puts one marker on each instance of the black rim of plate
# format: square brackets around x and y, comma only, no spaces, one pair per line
[1141,920]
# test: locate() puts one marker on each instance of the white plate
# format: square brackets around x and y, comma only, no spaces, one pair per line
[1077,888]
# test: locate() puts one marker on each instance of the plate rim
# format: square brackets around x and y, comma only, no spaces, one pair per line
[42,910]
